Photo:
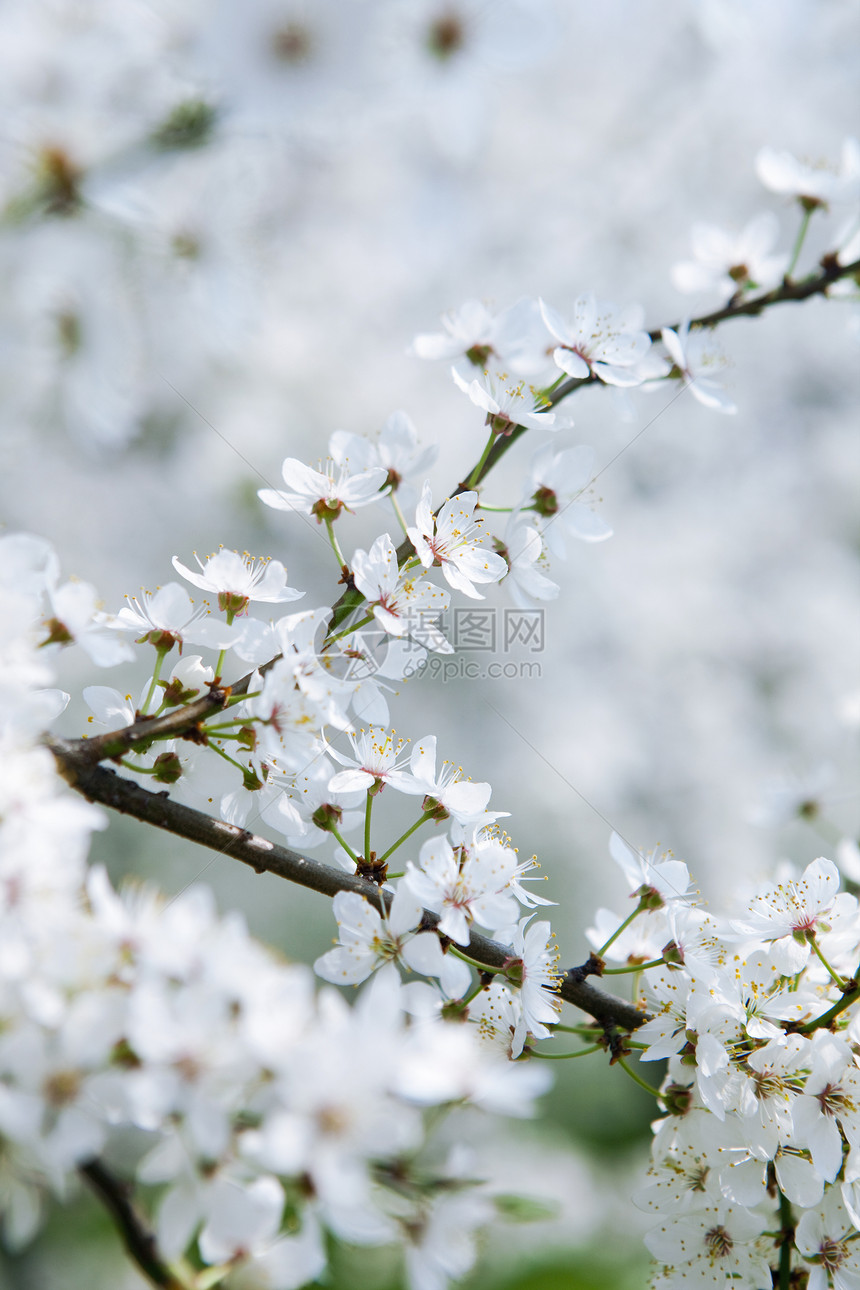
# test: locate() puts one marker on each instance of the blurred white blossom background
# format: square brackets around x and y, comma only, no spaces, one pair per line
[225,223]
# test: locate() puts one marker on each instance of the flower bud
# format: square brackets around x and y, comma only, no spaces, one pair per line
[327,815]
[167,768]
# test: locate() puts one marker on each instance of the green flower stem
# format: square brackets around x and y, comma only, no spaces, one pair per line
[563,1057]
[549,390]
[225,725]
[221,753]
[614,937]
[501,510]
[786,1219]
[160,655]
[367,810]
[138,770]
[799,240]
[347,848]
[635,967]
[481,967]
[334,544]
[819,1023]
[401,519]
[403,837]
[473,993]
[220,664]
[347,631]
[834,974]
[649,1088]
[475,475]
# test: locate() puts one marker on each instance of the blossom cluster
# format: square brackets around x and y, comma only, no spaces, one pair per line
[120,1009]
[123,1009]
[755,1165]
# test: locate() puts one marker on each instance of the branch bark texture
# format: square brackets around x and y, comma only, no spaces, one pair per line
[99,784]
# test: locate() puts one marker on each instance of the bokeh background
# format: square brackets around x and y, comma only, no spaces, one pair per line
[223,225]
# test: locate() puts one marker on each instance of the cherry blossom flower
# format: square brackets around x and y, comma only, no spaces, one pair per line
[324,493]
[600,340]
[522,549]
[827,1240]
[447,793]
[238,579]
[666,992]
[287,1263]
[557,486]
[509,402]
[695,358]
[462,888]
[109,708]
[305,803]
[441,1240]
[720,1244]
[401,605]
[395,450]
[514,339]
[243,1216]
[169,617]
[453,1062]
[830,1100]
[668,878]
[812,184]
[318,1127]
[450,540]
[368,941]
[288,714]
[727,263]
[788,915]
[28,563]
[77,618]
[685,1178]
[532,969]
[378,760]
[745,1180]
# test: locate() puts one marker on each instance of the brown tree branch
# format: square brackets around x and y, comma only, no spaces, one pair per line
[99,784]
[140,1242]
[790,291]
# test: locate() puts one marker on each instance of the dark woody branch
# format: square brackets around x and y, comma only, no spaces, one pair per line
[140,1242]
[98,784]
[790,291]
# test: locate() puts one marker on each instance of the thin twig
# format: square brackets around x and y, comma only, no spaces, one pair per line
[789,292]
[181,721]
